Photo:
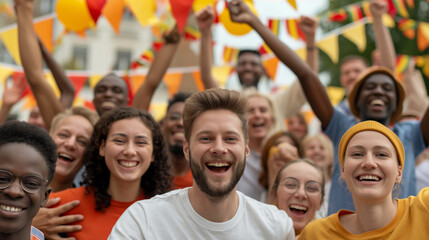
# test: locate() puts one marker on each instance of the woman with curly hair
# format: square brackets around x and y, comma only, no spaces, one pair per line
[125,162]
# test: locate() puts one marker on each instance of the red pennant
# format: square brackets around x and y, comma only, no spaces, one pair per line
[181,9]
[16,76]
[78,82]
[95,7]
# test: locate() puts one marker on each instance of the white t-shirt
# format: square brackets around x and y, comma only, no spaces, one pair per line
[171,216]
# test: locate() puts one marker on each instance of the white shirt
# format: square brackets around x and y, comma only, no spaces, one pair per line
[171,216]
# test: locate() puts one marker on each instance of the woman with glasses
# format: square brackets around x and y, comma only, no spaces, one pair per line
[372,159]
[298,190]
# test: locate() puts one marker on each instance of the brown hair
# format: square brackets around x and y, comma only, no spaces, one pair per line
[213,99]
[263,178]
[88,114]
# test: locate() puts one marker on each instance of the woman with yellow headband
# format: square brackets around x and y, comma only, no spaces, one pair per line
[372,158]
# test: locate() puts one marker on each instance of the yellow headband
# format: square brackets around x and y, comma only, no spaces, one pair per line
[371,126]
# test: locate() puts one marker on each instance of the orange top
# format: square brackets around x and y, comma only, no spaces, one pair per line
[183,181]
[95,224]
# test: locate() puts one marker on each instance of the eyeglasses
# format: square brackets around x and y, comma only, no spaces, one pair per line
[31,183]
[291,185]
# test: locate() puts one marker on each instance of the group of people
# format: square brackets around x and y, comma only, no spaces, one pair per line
[222,164]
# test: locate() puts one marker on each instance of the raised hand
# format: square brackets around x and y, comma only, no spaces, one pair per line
[51,222]
[240,12]
[172,36]
[378,8]
[308,25]
[12,94]
[286,151]
[205,18]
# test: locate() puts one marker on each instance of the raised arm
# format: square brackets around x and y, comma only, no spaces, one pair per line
[31,59]
[11,95]
[63,82]
[308,26]
[383,40]
[205,19]
[157,70]
[312,87]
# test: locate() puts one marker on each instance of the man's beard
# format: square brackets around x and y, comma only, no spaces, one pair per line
[176,150]
[203,184]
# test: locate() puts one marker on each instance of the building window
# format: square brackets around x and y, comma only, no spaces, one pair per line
[79,57]
[5,56]
[46,6]
[123,59]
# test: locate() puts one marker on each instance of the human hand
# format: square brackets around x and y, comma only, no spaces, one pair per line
[240,12]
[205,18]
[378,8]
[12,94]
[308,25]
[172,36]
[286,151]
[50,222]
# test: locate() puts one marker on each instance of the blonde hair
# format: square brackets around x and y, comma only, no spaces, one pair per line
[88,114]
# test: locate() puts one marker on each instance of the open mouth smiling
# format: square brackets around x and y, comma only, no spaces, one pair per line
[219,167]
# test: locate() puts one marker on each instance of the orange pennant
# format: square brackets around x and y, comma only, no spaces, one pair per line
[198,81]
[270,66]
[173,81]
[113,11]
[136,82]
[44,30]
[423,36]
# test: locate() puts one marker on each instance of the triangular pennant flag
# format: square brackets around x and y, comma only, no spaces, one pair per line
[330,47]
[173,81]
[200,4]
[113,11]
[95,7]
[408,28]
[270,66]
[5,72]
[44,30]
[144,11]
[198,81]
[401,8]
[10,41]
[336,94]
[180,10]
[221,74]
[8,9]
[94,79]
[78,82]
[357,35]
[136,81]
[402,62]
[292,3]
[30,102]
[423,36]
[388,21]
[302,53]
